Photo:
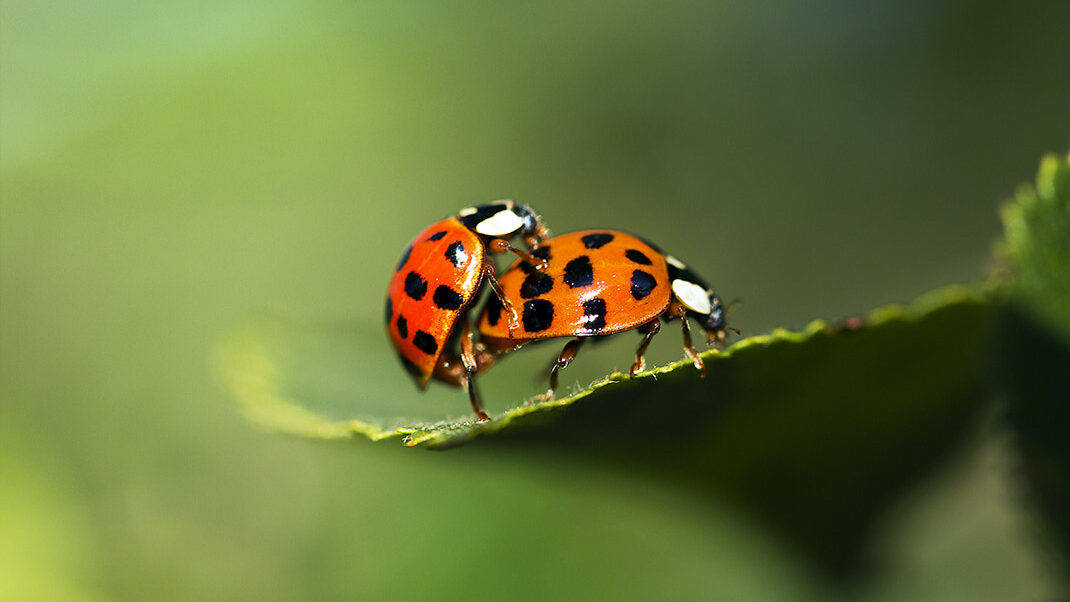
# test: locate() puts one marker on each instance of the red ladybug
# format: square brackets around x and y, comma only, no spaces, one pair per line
[439,276]
[597,283]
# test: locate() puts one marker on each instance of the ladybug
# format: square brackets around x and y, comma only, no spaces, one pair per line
[598,283]
[438,277]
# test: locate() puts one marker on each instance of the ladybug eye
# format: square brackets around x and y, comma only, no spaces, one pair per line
[716,319]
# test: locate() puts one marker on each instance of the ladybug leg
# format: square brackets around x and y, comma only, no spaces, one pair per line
[563,360]
[492,280]
[500,245]
[471,366]
[536,262]
[650,329]
[689,349]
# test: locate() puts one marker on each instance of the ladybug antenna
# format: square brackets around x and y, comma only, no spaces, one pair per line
[731,308]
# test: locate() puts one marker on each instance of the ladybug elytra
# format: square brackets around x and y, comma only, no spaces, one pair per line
[597,283]
[438,277]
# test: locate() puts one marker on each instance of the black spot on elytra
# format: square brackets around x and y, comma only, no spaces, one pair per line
[481,213]
[642,284]
[437,235]
[537,283]
[404,258]
[493,310]
[425,342]
[579,272]
[455,253]
[538,315]
[594,313]
[637,257]
[410,367]
[415,286]
[542,252]
[597,240]
[403,327]
[389,310]
[447,298]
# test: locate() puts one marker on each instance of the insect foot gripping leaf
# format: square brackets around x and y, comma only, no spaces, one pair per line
[1032,341]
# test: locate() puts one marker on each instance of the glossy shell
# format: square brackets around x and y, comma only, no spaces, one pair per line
[598,282]
[436,279]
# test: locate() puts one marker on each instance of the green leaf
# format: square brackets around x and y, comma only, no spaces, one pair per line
[326,381]
[1033,340]
[814,431]
[1037,244]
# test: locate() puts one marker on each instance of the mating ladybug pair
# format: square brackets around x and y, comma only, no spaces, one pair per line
[583,284]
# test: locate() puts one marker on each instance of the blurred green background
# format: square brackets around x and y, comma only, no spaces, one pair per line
[171,169]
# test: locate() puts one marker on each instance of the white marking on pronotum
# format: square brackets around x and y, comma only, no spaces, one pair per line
[676,263]
[467,211]
[692,295]
[501,223]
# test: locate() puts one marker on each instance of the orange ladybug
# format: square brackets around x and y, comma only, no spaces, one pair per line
[438,277]
[597,283]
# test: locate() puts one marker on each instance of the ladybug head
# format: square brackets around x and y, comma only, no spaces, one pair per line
[533,230]
[714,322]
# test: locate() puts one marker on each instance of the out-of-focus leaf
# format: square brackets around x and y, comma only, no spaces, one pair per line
[47,552]
[324,381]
[1037,244]
[1033,340]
